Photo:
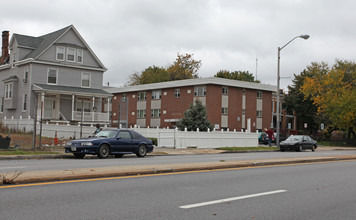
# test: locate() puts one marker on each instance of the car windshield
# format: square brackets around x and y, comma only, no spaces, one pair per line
[106,133]
[294,138]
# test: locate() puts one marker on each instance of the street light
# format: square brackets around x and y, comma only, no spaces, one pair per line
[305,37]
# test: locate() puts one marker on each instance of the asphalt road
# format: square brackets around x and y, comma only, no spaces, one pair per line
[66,164]
[308,191]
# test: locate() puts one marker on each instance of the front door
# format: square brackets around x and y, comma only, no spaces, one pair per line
[49,107]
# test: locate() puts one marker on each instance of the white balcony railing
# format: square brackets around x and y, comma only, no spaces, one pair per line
[90,116]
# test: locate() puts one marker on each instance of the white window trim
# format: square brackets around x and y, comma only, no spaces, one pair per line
[24,101]
[223,112]
[25,75]
[226,90]
[56,76]
[2,104]
[9,87]
[139,97]
[196,91]
[259,115]
[89,79]
[141,113]
[177,93]
[57,52]
[259,96]
[74,55]
[81,56]
[155,94]
[154,111]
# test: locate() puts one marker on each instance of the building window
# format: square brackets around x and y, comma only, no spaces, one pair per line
[124,98]
[141,113]
[225,90]
[259,113]
[70,54]
[141,96]
[79,106]
[60,53]
[224,111]
[155,113]
[243,111]
[52,76]
[85,79]
[24,104]
[25,75]
[79,56]
[200,91]
[244,91]
[2,105]
[259,94]
[177,93]
[8,90]
[156,94]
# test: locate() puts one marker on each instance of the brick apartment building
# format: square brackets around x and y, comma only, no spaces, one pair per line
[230,104]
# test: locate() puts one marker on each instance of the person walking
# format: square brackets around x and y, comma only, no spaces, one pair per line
[270,134]
[98,129]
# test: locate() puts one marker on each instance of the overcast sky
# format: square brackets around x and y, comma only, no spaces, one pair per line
[130,35]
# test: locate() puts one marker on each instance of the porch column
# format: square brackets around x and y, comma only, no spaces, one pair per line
[93,112]
[42,104]
[108,109]
[73,98]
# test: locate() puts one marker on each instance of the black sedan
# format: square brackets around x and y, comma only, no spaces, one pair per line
[298,143]
[107,142]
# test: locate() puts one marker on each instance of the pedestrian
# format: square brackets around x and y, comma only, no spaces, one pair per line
[98,129]
[270,134]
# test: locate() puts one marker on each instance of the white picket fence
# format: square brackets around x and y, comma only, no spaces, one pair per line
[171,138]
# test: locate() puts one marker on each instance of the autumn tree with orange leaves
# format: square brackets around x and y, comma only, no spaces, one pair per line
[334,94]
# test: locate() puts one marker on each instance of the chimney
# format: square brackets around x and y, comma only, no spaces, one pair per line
[5,47]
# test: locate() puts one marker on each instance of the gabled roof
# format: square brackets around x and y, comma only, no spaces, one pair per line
[194,82]
[42,43]
[69,90]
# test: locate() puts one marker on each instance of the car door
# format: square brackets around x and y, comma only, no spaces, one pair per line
[123,142]
[307,142]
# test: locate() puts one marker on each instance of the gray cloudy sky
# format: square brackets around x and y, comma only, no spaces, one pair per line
[131,35]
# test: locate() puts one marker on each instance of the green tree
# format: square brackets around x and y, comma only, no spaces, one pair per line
[237,75]
[195,117]
[334,94]
[303,106]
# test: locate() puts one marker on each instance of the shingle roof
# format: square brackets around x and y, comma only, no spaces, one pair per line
[39,44]
[71,90]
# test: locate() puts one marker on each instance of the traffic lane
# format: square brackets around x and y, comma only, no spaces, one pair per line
[93,162]
[313,191]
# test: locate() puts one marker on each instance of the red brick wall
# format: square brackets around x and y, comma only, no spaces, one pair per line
[251,107]
[266,109]
[213,103]
[175,107]
[235,108]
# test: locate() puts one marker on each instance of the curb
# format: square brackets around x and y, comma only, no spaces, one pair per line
[91,173]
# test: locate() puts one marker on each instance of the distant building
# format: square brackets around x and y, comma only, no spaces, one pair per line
[230,104]
[58,71]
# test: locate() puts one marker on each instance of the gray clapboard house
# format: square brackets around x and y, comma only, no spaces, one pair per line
[59,72]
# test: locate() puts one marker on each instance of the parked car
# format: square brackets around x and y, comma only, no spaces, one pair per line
[298,143]
[107,142]
[262,138]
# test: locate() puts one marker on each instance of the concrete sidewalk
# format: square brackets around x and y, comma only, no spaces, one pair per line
[88,173]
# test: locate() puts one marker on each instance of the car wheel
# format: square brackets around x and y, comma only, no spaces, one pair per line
[313,148]
[119,155]
[79,155]
[104,151]
[141,151]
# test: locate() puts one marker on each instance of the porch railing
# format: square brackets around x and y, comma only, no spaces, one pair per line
[90,116]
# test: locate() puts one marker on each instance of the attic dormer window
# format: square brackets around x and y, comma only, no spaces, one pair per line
[60,53]
[70,54]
